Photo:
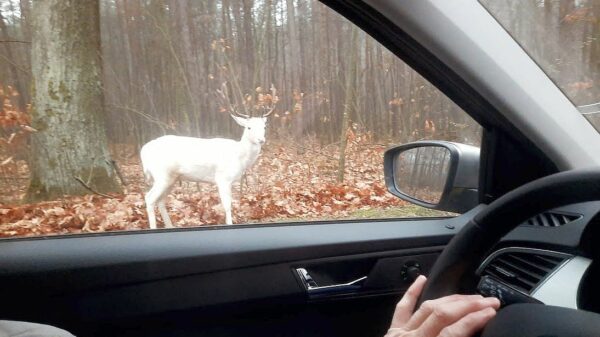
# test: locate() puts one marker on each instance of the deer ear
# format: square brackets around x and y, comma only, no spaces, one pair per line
[240,120]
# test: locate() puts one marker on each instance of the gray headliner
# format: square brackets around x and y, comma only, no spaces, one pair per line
[464,36]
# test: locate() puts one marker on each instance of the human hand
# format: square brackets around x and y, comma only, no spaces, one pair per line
[450,316]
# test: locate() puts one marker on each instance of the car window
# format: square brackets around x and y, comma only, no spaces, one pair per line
[562,37]
[172,104]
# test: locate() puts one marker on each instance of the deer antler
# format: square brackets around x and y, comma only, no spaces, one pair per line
[224,97]
[273,101]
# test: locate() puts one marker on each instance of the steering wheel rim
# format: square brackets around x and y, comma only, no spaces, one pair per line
[454,270]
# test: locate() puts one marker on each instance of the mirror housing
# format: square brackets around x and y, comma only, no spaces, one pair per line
[458,191]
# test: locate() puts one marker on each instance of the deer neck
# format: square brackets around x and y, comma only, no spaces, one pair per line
[249,151]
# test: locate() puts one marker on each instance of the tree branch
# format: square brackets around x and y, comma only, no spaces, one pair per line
[117,171]
[8,60]
[14,41]
[91,189]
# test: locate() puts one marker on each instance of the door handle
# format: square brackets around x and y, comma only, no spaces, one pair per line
[312,288]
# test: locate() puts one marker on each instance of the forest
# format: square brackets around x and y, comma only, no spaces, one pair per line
[85,84]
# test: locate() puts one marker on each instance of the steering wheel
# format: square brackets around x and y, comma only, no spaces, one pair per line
[454,270]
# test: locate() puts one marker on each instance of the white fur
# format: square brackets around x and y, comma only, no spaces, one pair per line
[217,160]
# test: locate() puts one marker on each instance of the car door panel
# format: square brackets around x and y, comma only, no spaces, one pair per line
[128,277]
[79,263]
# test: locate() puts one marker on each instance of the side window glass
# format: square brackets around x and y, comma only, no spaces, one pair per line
[561,36]
[154,114]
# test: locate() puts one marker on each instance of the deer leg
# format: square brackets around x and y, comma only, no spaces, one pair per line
[163,213]
[156,195]
[150,202]
[224,188]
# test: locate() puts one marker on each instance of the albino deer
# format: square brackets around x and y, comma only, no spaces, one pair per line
[221,161]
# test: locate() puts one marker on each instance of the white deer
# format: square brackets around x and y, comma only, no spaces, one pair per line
[221,161]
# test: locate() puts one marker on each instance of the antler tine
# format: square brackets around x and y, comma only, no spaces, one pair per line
[269,112]
[273,101]
[223,93]
[223,97]
[239,114]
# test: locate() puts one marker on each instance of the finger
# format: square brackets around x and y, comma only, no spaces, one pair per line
[406,306]
[449,313]
[394,332]
[428,307]
[470,324]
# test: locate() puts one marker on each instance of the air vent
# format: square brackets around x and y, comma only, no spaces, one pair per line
[523,271]
[551,219]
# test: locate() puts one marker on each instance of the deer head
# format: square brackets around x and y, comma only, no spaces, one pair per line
[254,127]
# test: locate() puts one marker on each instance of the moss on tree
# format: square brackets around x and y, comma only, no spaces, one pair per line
[69,115]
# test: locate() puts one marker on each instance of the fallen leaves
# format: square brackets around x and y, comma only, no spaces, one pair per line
[284,185]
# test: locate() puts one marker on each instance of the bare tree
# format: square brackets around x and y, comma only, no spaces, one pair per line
[70,147]
[14,72]
[349,103]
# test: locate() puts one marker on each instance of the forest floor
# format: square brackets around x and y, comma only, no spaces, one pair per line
[288,183]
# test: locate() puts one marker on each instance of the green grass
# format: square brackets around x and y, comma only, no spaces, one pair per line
[408,211]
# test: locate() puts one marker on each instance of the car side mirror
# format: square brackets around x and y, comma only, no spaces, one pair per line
[434,174]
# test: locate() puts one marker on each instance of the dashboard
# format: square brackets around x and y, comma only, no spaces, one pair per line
[548,259]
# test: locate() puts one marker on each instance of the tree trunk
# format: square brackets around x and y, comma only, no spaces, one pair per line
[188,63]
[68,106]
[294,50]
[348,103]
[14,73]
[248,25]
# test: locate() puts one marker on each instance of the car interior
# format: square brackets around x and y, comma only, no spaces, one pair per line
[529,198]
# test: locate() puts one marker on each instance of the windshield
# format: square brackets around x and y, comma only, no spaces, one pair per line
[562,37]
